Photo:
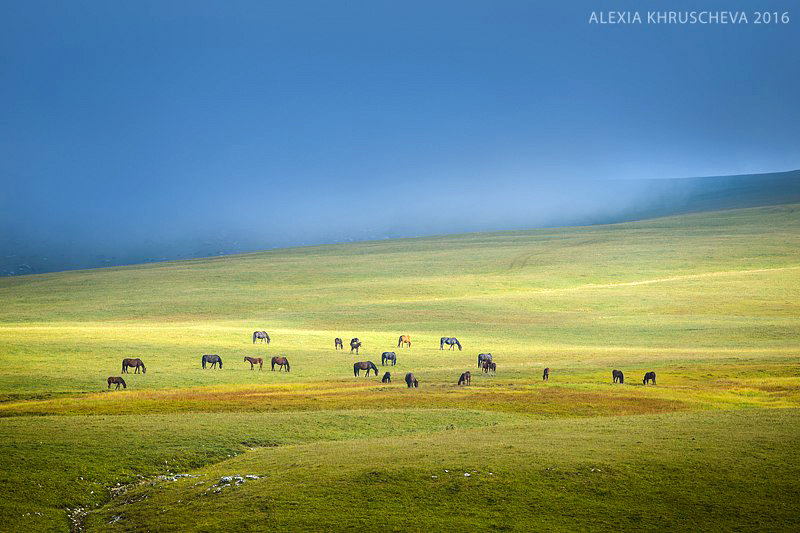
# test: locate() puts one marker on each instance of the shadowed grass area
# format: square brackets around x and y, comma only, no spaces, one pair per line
[675,472]
[709,302]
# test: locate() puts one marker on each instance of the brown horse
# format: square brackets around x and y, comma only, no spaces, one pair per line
[135,363]
[337,344]
[119,381]
[546,374]
[489,365]
[364,365]
[411,381]
[281,362]
[465,379]
[404,340]
[254,361]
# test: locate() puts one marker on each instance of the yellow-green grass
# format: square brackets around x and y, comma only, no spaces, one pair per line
[710,302]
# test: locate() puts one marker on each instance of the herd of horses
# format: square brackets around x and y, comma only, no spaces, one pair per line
[485,362]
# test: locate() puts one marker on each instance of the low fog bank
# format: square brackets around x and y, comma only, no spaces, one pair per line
[236,222]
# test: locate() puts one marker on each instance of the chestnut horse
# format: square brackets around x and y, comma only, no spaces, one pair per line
[119,381]
[404,340]
[254,361]
[135,363]
[364,365]
[281,362]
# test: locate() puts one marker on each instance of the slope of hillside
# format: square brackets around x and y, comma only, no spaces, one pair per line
[708,301]
[635,200]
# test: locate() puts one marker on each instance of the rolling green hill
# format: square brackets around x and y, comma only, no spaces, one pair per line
[711,302]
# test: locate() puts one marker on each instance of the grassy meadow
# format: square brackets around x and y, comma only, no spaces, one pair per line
[710,302]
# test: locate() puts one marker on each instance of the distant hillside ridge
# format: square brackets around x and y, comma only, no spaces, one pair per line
[653,198]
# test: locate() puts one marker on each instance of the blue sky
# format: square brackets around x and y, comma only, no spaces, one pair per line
[275,123]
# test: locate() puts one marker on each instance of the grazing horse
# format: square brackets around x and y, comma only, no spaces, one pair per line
[617,375]
[411,381]
[212,359]
[404,340]
[337,344]
[482,358]
[649,376]
[387,378]
[355,345]
[546,374]
[465,379]
[489,365]
[451,342]
[118,381]
[135,363]
[388,356]
[364,365]
[263,335]
[254,361]
[281,362]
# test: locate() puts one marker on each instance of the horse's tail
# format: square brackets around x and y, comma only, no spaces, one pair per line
[123,366]
[399,341]
[204,361]
[355,369]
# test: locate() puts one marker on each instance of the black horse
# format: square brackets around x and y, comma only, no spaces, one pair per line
[465,379]
[119,381]
[135,363]
[337,344]
[484,357]
[281,362]
[451,342]
[212,359]
[364,365]
[355,345]
[387,378]
[411,381]
[649,376]
[388,356]
[618,376]
[262,335]
[546,374]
